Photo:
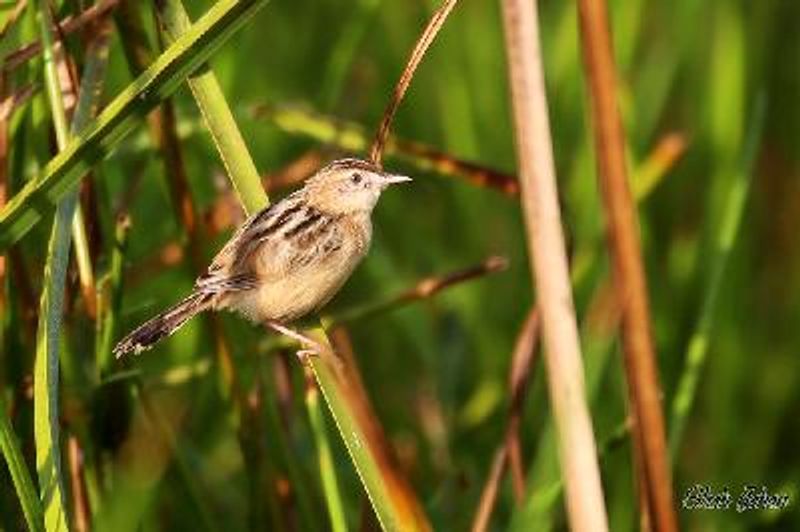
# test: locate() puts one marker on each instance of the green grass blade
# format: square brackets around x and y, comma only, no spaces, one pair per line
[48,335]
[333,497]
[97,139]
[219,119]
[362,447]
[46,366]
[20,475]
[723,246]
[45,373]
[107,320]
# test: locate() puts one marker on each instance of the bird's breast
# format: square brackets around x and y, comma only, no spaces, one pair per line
[311,278]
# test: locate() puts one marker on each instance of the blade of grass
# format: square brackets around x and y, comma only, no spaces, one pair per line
[46,380]
[395,505]
[333,498]
[48,335]
[96,140]
[230,144]
[69,87]
[107,318]
[549,269]
[344,51]
[641,367]
[723,247]
[80,240]
[20,475]
[218,116]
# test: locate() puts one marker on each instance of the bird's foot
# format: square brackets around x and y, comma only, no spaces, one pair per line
[310,346]
[304,355]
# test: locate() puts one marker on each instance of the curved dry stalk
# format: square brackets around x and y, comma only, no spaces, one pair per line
[423,289]
[80,502]
[629,274]
[550,271]
[489,495]
[519,379]
[424,41]
[509,453]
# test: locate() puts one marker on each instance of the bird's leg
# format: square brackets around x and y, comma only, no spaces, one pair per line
[311,347]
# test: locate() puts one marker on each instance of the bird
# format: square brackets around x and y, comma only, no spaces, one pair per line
[286,261]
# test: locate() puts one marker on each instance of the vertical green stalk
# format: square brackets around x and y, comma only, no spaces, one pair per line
[344,51]
[46,367]
[309,520]
[723,246]
[46,389]
[219,118]
[333,497]
[107,320]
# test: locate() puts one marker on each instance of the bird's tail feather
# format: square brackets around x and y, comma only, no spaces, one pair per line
[146,335]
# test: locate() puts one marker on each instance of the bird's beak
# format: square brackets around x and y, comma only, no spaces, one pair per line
[389,179]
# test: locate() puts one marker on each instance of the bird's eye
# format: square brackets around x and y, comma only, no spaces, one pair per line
[355,178]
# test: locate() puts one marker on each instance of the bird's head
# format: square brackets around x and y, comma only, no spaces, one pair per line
[348,186]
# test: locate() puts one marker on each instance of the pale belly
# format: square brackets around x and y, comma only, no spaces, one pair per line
[298,293]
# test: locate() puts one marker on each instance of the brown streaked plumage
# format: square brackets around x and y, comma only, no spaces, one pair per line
[287,260]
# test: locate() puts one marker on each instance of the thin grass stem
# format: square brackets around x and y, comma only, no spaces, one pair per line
[327,471]
[698,346]
[20,475]
[218,118]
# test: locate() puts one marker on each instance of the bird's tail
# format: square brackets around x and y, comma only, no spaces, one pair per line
[146,335]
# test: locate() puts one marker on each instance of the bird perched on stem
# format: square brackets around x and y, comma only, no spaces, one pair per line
[287,260]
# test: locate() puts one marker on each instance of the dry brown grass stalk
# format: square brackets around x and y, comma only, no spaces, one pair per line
[67,26]
[550,271]
[80,503]
[628,269]
[509,453]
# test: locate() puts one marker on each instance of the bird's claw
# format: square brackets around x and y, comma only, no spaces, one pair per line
[304,355]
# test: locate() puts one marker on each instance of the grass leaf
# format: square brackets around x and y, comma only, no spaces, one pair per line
[97,139]
[20,476]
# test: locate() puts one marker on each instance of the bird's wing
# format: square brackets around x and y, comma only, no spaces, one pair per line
[281,238]
[228,270]
[307,242]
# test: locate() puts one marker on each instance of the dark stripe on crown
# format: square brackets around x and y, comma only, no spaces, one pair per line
[351,163]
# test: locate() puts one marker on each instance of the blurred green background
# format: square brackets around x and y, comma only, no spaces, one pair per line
[691,74]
